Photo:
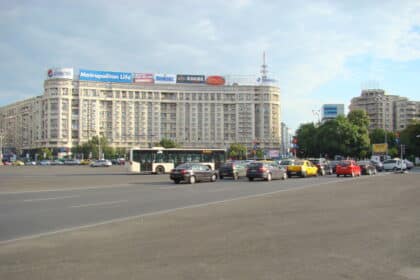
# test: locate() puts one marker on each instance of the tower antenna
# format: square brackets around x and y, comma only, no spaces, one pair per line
[264,70]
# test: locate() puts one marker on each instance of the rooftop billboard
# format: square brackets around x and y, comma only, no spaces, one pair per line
[60,73]
[165,78]
[143,78]
[105,76]
[190,79]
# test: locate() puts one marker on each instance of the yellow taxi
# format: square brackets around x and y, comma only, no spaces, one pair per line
[302,168]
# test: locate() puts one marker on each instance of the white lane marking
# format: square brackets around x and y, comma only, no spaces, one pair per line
[98,204]
[72,189]
[119,220]
[50,198]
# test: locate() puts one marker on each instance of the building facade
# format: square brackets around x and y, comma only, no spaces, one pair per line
[139,114]
[389,112]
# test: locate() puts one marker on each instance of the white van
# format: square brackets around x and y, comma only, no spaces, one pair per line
[394,164]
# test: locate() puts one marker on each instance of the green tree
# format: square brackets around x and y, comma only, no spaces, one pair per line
[237,151]
[168,143]
[360,135]
[307,140]
[408,137]
[45,153]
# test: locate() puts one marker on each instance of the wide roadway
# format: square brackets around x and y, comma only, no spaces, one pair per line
[42,200]
[313,228]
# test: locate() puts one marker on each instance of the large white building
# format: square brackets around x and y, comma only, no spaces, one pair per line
[389,112]
[132,109]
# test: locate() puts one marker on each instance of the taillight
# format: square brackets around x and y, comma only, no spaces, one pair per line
[184,171]
[262,169]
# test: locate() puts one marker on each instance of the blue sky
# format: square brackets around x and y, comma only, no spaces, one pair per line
[320,51]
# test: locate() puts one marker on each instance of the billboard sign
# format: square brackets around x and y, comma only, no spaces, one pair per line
[190,79]
[215,80]
[105,76]
[60,73]
[330,111]
[165,78]
[379,148]
[143,78]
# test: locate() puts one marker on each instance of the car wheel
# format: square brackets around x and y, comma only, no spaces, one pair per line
[394,169]
[268,177]
[177,181]
[192,180]
[213,178]
[235,176]
[250,179]
[221,177]
[338,175]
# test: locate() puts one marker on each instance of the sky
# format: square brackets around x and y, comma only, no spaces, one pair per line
[319,51]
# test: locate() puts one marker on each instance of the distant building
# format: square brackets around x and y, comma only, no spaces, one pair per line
[331,111]
[389,112]
[138,110]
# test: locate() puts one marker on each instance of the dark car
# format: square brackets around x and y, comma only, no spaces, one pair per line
[333,165]
[193,172]
[379,165]
[323,166]
[266,171]
[233,169]
[368,168]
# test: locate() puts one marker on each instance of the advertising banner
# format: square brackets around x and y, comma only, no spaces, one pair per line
[165,78]
[60,73]
[190,79]
[143,78]
[330,111]
[379,148]
[105,76]
[215,80]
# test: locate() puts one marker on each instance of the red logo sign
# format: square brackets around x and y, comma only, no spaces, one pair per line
[215,80]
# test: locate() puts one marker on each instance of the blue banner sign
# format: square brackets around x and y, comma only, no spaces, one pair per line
[105,76]
[330,111]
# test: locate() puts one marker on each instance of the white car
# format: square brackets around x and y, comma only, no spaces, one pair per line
[409,164]
[101,163]
[394,165]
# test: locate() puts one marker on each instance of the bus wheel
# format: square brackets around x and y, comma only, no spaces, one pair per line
[160,170]
[192,179]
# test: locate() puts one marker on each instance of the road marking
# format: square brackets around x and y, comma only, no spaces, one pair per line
[70,189]
[98,204]
[50,198]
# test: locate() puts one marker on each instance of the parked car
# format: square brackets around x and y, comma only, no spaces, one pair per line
[394,165]
[18,163]
[348,167]
[302,168]
[192,173]
[333,165]
[72,162]
[56,162]
[30,162]
[323,166]
[367,167]
[286,162]
[45,162]
[101,163]
[378,164]
[85,162]
[233,169]
[265,170]
[409,164]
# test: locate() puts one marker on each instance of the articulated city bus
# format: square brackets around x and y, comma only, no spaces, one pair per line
[159,160]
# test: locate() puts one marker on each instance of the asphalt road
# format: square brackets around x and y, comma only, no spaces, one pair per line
[316,228]
[54,206]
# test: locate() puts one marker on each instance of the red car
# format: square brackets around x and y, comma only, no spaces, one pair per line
[348,167]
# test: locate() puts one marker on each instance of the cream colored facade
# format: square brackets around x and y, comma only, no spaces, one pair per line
[70,112]
[389,112]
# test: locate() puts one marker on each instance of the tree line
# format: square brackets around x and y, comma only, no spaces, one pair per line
[349,137]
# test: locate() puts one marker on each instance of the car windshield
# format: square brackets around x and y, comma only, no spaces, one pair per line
[184,166]
[345,163]
[390,161]
[286,162]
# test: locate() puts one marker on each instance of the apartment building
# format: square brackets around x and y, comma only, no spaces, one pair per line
[389,112]
[131,110]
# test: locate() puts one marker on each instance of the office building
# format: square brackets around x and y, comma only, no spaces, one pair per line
[389,112]
[139,109]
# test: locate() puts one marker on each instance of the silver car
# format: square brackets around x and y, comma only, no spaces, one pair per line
[101,163]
